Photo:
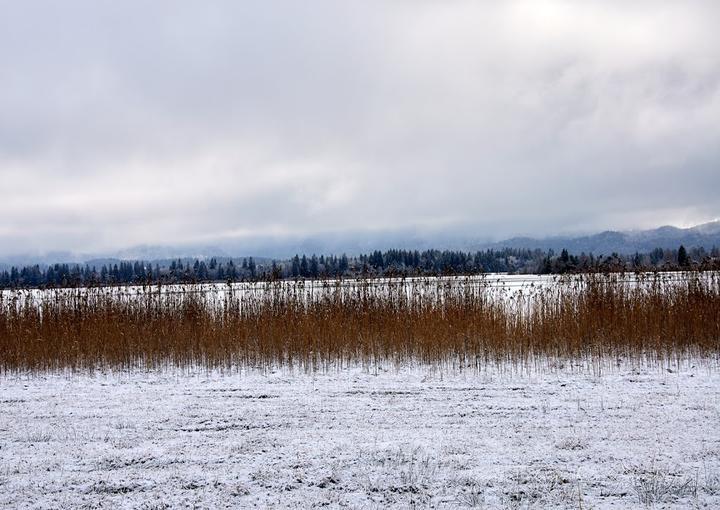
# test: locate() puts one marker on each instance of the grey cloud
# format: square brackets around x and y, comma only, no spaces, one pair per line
[126,122]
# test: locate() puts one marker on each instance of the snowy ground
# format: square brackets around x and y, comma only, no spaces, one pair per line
[407,438]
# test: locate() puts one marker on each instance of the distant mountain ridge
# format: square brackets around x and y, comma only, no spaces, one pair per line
[706,235]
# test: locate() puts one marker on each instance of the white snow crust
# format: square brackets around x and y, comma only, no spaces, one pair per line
[411,437]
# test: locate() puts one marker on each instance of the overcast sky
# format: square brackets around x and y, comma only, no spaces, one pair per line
[128,122]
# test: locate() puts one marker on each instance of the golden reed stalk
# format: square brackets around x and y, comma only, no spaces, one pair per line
[465,322]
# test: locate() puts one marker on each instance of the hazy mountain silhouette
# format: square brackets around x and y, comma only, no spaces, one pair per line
[706,235]
[603,243]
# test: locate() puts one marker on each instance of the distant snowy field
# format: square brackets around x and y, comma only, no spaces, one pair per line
[403,438]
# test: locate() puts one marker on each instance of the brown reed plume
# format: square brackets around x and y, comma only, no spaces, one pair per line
[464,322]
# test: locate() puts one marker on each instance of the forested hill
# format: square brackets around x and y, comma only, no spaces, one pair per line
[706,235]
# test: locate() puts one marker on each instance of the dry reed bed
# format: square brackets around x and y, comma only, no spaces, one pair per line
[465,322]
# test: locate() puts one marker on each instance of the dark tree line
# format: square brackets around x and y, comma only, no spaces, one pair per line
[376,263]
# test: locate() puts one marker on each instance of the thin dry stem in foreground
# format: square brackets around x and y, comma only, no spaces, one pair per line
[461,321]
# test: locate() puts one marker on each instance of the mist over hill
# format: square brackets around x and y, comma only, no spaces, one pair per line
[706,235]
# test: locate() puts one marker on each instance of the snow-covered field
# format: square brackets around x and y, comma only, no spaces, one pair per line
[412,437]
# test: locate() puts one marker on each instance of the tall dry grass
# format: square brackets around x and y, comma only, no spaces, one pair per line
[466,322]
